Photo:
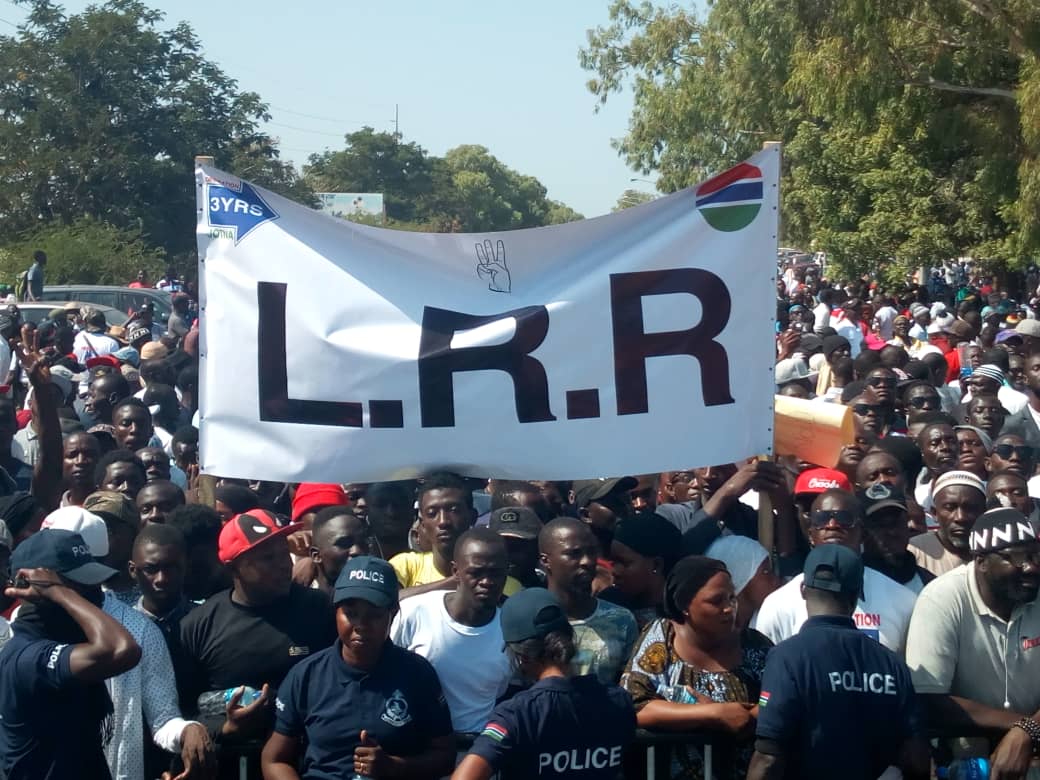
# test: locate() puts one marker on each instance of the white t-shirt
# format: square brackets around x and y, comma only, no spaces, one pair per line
[822,312]
[88,345]
[884,317]
[883,612]
[470,662]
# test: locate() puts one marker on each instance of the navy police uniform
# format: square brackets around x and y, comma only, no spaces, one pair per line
[399,703]
[835,703]
[561,727]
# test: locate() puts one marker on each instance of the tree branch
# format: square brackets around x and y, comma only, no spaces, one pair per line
[985,9]
[945,86]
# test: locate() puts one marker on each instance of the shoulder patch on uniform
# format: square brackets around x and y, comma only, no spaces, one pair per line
[763,700]
[495,732]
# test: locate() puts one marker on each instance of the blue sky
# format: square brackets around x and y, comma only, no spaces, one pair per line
[504,75]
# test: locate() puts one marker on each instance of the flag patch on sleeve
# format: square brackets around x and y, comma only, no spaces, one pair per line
[763,700]
[495,732]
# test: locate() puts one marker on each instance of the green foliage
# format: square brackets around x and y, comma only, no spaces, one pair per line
[102,114]
[85,252]
[911,130]
[630,198]
[467,190]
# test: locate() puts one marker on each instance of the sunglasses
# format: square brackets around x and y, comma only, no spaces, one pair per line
[1005,451]
[864,409]
[821,518]
[881,381]
[924,401]
[1019,558]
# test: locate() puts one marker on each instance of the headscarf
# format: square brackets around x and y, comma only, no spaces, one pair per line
[984,437]
[742,556]
[687,577]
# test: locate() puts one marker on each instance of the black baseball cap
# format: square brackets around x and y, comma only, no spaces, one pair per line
[834,568]
[588,490]
[369,579]
[64,553]
[516,521]
[533,612]
[879,497]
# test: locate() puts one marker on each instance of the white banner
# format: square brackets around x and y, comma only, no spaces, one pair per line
[633,343]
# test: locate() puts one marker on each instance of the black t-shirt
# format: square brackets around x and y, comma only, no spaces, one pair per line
[226,644]
[323,700]
[835,703]
[45,733]
[560,727]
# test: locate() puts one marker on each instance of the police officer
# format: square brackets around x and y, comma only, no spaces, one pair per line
[833,700]
[363,706]
[562,726]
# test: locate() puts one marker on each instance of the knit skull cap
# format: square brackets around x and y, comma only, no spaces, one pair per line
[952,478]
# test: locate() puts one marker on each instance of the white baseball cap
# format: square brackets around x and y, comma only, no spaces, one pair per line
[88,525]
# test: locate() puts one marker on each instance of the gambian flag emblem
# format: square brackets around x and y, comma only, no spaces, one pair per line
[763,700]
[495,732]
[732,199]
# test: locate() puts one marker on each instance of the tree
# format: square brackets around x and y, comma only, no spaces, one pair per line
[85,252]
[101,115]
[467,190]
[911,130]
[630,198]
[376,162]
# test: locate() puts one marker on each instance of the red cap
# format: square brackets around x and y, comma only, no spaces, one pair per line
[820,480]
[247,530]
[312,495]
[103,360]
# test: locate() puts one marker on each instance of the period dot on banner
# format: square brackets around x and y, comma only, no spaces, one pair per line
[582,404]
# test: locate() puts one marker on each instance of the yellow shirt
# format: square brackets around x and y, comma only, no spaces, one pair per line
[415,568]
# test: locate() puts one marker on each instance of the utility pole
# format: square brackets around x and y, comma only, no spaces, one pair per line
[397,122]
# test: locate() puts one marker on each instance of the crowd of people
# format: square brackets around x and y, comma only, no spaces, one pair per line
[160,623]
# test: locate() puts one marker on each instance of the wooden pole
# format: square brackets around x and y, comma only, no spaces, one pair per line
[766,520]
[207,482]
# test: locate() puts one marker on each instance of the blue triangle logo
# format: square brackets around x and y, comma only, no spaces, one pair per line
[242,210]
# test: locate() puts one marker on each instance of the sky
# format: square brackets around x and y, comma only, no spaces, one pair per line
[500,74]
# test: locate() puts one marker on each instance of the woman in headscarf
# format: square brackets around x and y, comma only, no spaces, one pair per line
[643,551]
[901,333]
[751,571]
[694,670]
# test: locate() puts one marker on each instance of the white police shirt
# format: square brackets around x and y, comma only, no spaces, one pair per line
[883,612]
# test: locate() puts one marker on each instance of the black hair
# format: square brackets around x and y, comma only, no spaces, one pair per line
[165,397]
[933,360]
[327,513]
[554,649]
[40,256]
[687,577]
[199,524]
[445,480]
[865,361]
[506,493]
[973,403]
[162,535]
[402,492]
[550,529]
[131,401]
[842,369]
[853,390]
[238,498]
[186,434]
[935,418]
[997,357]
[157,370]
[904,392]
[188,377]
[479,535]
[120,387]
[117,456]
[893,356]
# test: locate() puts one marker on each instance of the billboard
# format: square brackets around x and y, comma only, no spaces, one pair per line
[350,205]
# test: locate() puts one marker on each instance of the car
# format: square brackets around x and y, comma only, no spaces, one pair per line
[126,299]
[35,311]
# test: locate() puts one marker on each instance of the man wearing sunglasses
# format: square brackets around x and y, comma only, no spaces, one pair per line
[974,645]
[884,607]
[920,397]
[1011,453]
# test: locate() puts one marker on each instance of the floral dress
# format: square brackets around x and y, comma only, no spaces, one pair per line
[655,668]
